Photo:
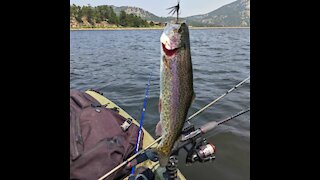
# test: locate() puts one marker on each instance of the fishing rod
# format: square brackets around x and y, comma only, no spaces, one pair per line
[193,142]
[141,120]
[196,146]
[159,138]
[214,101]
[211,125]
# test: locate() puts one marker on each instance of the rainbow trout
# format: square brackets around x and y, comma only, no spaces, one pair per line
[176,87]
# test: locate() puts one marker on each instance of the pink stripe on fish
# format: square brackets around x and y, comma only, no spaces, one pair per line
[175,91]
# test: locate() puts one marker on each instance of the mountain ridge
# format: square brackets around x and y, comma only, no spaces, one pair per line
[236,13]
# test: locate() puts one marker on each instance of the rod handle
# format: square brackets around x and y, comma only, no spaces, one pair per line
[209,126]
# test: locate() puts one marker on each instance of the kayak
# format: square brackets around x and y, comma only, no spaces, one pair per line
[147,138]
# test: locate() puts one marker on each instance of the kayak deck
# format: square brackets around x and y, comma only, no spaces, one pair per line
[147,138]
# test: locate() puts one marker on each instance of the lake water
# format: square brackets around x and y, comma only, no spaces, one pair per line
[119,62]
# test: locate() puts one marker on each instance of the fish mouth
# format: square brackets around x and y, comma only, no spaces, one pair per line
[169,52]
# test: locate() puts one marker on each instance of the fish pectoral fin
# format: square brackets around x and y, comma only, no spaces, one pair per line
[159,129]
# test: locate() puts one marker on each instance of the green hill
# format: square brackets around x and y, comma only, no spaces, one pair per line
[234,14]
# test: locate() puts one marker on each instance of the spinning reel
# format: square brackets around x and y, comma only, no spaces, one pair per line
[197,147]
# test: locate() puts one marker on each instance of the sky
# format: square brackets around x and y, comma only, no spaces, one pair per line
[159,7]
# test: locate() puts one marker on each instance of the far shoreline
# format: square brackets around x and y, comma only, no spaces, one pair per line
[150,28]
